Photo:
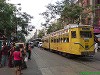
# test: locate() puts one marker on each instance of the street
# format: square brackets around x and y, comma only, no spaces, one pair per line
[53,64]
[47,63]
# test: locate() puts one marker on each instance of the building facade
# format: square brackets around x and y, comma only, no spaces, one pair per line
[93,16]
[97,12]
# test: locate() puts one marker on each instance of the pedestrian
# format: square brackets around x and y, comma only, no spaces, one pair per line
[28,49]
[23,51]
[4,53]
[96,44]
[10,58]
[0,57]
[17,60]
[96,47]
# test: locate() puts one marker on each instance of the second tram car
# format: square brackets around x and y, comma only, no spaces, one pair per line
[74,40]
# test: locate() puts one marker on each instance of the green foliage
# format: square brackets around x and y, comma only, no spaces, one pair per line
[41,33]
[54,27]
[11,18]
[6,14]
[20,36]
[68,12]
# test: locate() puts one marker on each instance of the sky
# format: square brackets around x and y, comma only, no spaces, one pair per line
[34,8]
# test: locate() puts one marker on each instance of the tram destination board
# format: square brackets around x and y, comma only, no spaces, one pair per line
[85,28]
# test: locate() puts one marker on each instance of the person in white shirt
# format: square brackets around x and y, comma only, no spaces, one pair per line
[96,47]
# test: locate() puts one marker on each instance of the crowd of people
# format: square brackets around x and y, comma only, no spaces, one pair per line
[14,56]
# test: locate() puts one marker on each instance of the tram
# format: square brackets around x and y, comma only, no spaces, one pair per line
[73,40]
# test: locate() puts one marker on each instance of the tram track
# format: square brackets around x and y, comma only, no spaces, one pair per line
[88,62]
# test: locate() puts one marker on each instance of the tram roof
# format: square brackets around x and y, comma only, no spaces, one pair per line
[76,26]
[66,29]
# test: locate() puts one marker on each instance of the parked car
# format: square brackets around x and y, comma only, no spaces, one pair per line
[40,44]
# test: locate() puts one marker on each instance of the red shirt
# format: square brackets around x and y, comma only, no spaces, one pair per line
[16,55]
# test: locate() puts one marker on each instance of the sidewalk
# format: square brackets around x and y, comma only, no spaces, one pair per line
[31,70]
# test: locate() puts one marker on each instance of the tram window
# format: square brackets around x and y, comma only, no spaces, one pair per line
[44,40]
[61,39]
[54,40]
[67,39]
[85,34]
[57,40]
[73,34]
[64,40]
[51,40]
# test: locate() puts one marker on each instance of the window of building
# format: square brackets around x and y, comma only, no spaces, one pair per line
[88,2]
[98,1]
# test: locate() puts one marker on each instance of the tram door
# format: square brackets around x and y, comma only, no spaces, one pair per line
[74,48]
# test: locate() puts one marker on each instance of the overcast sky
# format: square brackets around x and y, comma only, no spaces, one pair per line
[34,7]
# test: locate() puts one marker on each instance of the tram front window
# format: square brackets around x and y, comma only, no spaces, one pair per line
[85,34]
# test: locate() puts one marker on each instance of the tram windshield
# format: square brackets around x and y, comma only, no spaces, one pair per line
[85,34]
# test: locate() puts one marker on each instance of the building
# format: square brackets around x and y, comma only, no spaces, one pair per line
[87,16]
[93,16]
[97,12]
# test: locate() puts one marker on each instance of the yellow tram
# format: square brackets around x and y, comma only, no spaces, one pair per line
[72,40]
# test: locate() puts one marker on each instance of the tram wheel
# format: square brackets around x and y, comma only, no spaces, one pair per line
[70,56]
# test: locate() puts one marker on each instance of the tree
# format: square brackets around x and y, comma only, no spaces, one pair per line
[68,12]
[6,14]
[11,19]
[41,33]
